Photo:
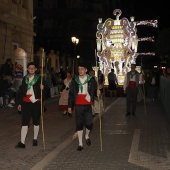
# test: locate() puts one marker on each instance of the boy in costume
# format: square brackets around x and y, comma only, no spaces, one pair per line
[82,90]
[30,103]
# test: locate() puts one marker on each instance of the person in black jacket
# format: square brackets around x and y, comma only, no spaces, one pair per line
[30,103]
[7,67]
[4,86]
[82,90]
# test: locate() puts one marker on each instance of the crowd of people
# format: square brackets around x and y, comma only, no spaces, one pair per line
[7,90]
[81,94]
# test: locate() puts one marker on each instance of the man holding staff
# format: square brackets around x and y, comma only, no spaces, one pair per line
[30,103]
[82,90]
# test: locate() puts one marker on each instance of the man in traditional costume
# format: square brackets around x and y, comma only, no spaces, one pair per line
[30,103]
[82,90]
[130,87]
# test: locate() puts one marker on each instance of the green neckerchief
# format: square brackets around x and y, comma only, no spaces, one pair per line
[132,74]
[33,81]
[81,84]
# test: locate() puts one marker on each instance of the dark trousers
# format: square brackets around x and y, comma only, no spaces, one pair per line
[152,92]
[131,99]
[31,110]
[83,114]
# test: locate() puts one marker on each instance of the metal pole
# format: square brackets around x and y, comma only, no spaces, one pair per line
[99,106]
[144,99]
[103,88]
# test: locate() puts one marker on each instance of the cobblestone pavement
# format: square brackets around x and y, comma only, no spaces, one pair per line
[125,142]
[57,128]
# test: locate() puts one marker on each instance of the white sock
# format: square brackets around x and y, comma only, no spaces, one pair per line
[80,137]
[24,131]
[87,133]
[36,131]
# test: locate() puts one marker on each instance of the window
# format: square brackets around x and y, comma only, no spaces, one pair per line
[18,2]
[14,46]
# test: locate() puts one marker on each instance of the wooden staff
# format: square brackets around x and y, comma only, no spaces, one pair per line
[42,104]
[144,99]
[99,106]
[103,88]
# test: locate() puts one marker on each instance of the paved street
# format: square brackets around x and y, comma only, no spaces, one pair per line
[125,142]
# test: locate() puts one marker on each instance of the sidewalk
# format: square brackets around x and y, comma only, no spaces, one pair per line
[128,142]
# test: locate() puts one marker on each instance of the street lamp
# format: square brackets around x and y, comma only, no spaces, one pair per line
[75,41]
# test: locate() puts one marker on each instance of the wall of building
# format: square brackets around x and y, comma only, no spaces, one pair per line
[16,28]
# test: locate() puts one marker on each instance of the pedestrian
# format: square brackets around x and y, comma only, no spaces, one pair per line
[30,103]
[101,81]
[98,105]
[152,86]
[141,88]
[82,90]
[130,87]
[63,101]
[112,79]
[7,68]
[95,103]
[5,85]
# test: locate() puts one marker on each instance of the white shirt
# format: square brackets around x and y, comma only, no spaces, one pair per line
[132,79]
[85,86]
[31,91]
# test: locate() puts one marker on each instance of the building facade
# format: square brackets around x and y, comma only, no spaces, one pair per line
[16,28]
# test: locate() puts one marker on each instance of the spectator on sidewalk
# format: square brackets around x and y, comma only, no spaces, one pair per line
[152,86]
[141,88]
[5,91]
[95,103]
[101,81]
[7,68]
[53,77]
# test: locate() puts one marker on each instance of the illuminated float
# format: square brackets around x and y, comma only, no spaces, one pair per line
[117,44]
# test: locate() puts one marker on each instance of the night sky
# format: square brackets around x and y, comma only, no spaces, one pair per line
[149,10]
[142,10]
[145,10]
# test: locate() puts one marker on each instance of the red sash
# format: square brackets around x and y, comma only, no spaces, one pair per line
[27,98]
[132,84]
[81,99]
